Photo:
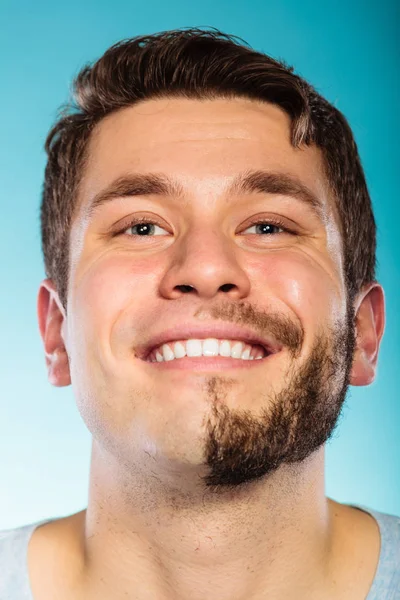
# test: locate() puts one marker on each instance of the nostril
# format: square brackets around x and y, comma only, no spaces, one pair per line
[185,288]
[227,287]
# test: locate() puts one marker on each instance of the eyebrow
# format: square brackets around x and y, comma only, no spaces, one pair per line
[265,182]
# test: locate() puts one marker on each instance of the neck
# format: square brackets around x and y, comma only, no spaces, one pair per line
[268,537]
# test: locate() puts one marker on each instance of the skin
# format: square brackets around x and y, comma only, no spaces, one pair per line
[179,505]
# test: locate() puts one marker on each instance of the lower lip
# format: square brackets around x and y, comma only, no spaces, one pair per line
[205,363]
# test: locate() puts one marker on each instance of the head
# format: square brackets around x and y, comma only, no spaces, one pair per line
[196,134]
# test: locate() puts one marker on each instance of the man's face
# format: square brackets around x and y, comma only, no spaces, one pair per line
[232,424]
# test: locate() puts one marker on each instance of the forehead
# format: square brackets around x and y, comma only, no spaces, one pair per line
[201,143]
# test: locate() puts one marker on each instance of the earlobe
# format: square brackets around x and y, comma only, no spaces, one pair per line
[51,317]
[370,323]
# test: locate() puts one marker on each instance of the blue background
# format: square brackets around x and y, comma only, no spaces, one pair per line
[349,52]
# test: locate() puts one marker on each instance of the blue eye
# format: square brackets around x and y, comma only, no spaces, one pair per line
[143,228]
[268,225]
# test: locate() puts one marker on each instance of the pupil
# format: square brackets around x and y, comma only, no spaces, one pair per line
[143,228]
[265,226]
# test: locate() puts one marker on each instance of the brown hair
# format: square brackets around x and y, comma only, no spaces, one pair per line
[197,63]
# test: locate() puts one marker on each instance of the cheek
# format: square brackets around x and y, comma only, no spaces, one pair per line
[103,291]
[106,288]
[308,287]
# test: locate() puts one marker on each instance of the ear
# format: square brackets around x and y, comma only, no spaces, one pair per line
[370,325]
[52,320]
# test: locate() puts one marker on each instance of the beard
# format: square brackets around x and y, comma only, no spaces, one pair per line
[241,448]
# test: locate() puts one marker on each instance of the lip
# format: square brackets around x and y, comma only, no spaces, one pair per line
[216,330]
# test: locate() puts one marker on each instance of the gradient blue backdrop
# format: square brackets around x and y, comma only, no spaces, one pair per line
[349,52]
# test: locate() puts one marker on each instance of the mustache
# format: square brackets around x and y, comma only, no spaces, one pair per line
[280,326]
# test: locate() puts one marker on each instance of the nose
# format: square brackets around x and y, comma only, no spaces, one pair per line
[205,263]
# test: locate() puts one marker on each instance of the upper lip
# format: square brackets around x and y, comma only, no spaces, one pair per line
[216,330]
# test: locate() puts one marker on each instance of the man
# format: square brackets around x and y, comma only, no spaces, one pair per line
[209,245]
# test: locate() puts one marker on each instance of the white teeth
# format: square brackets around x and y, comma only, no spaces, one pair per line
[179,350]
[208,347]
[246,354]
[194,348]
[225,348]
[167,352]
[237,350]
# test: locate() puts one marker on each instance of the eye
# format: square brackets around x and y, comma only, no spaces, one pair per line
[144,228]
[266,226]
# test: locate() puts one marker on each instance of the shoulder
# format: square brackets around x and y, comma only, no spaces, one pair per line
[386,582]
[389,526]
[14,582]
[13,542]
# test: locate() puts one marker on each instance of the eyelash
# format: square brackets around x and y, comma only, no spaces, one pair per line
[147,221]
